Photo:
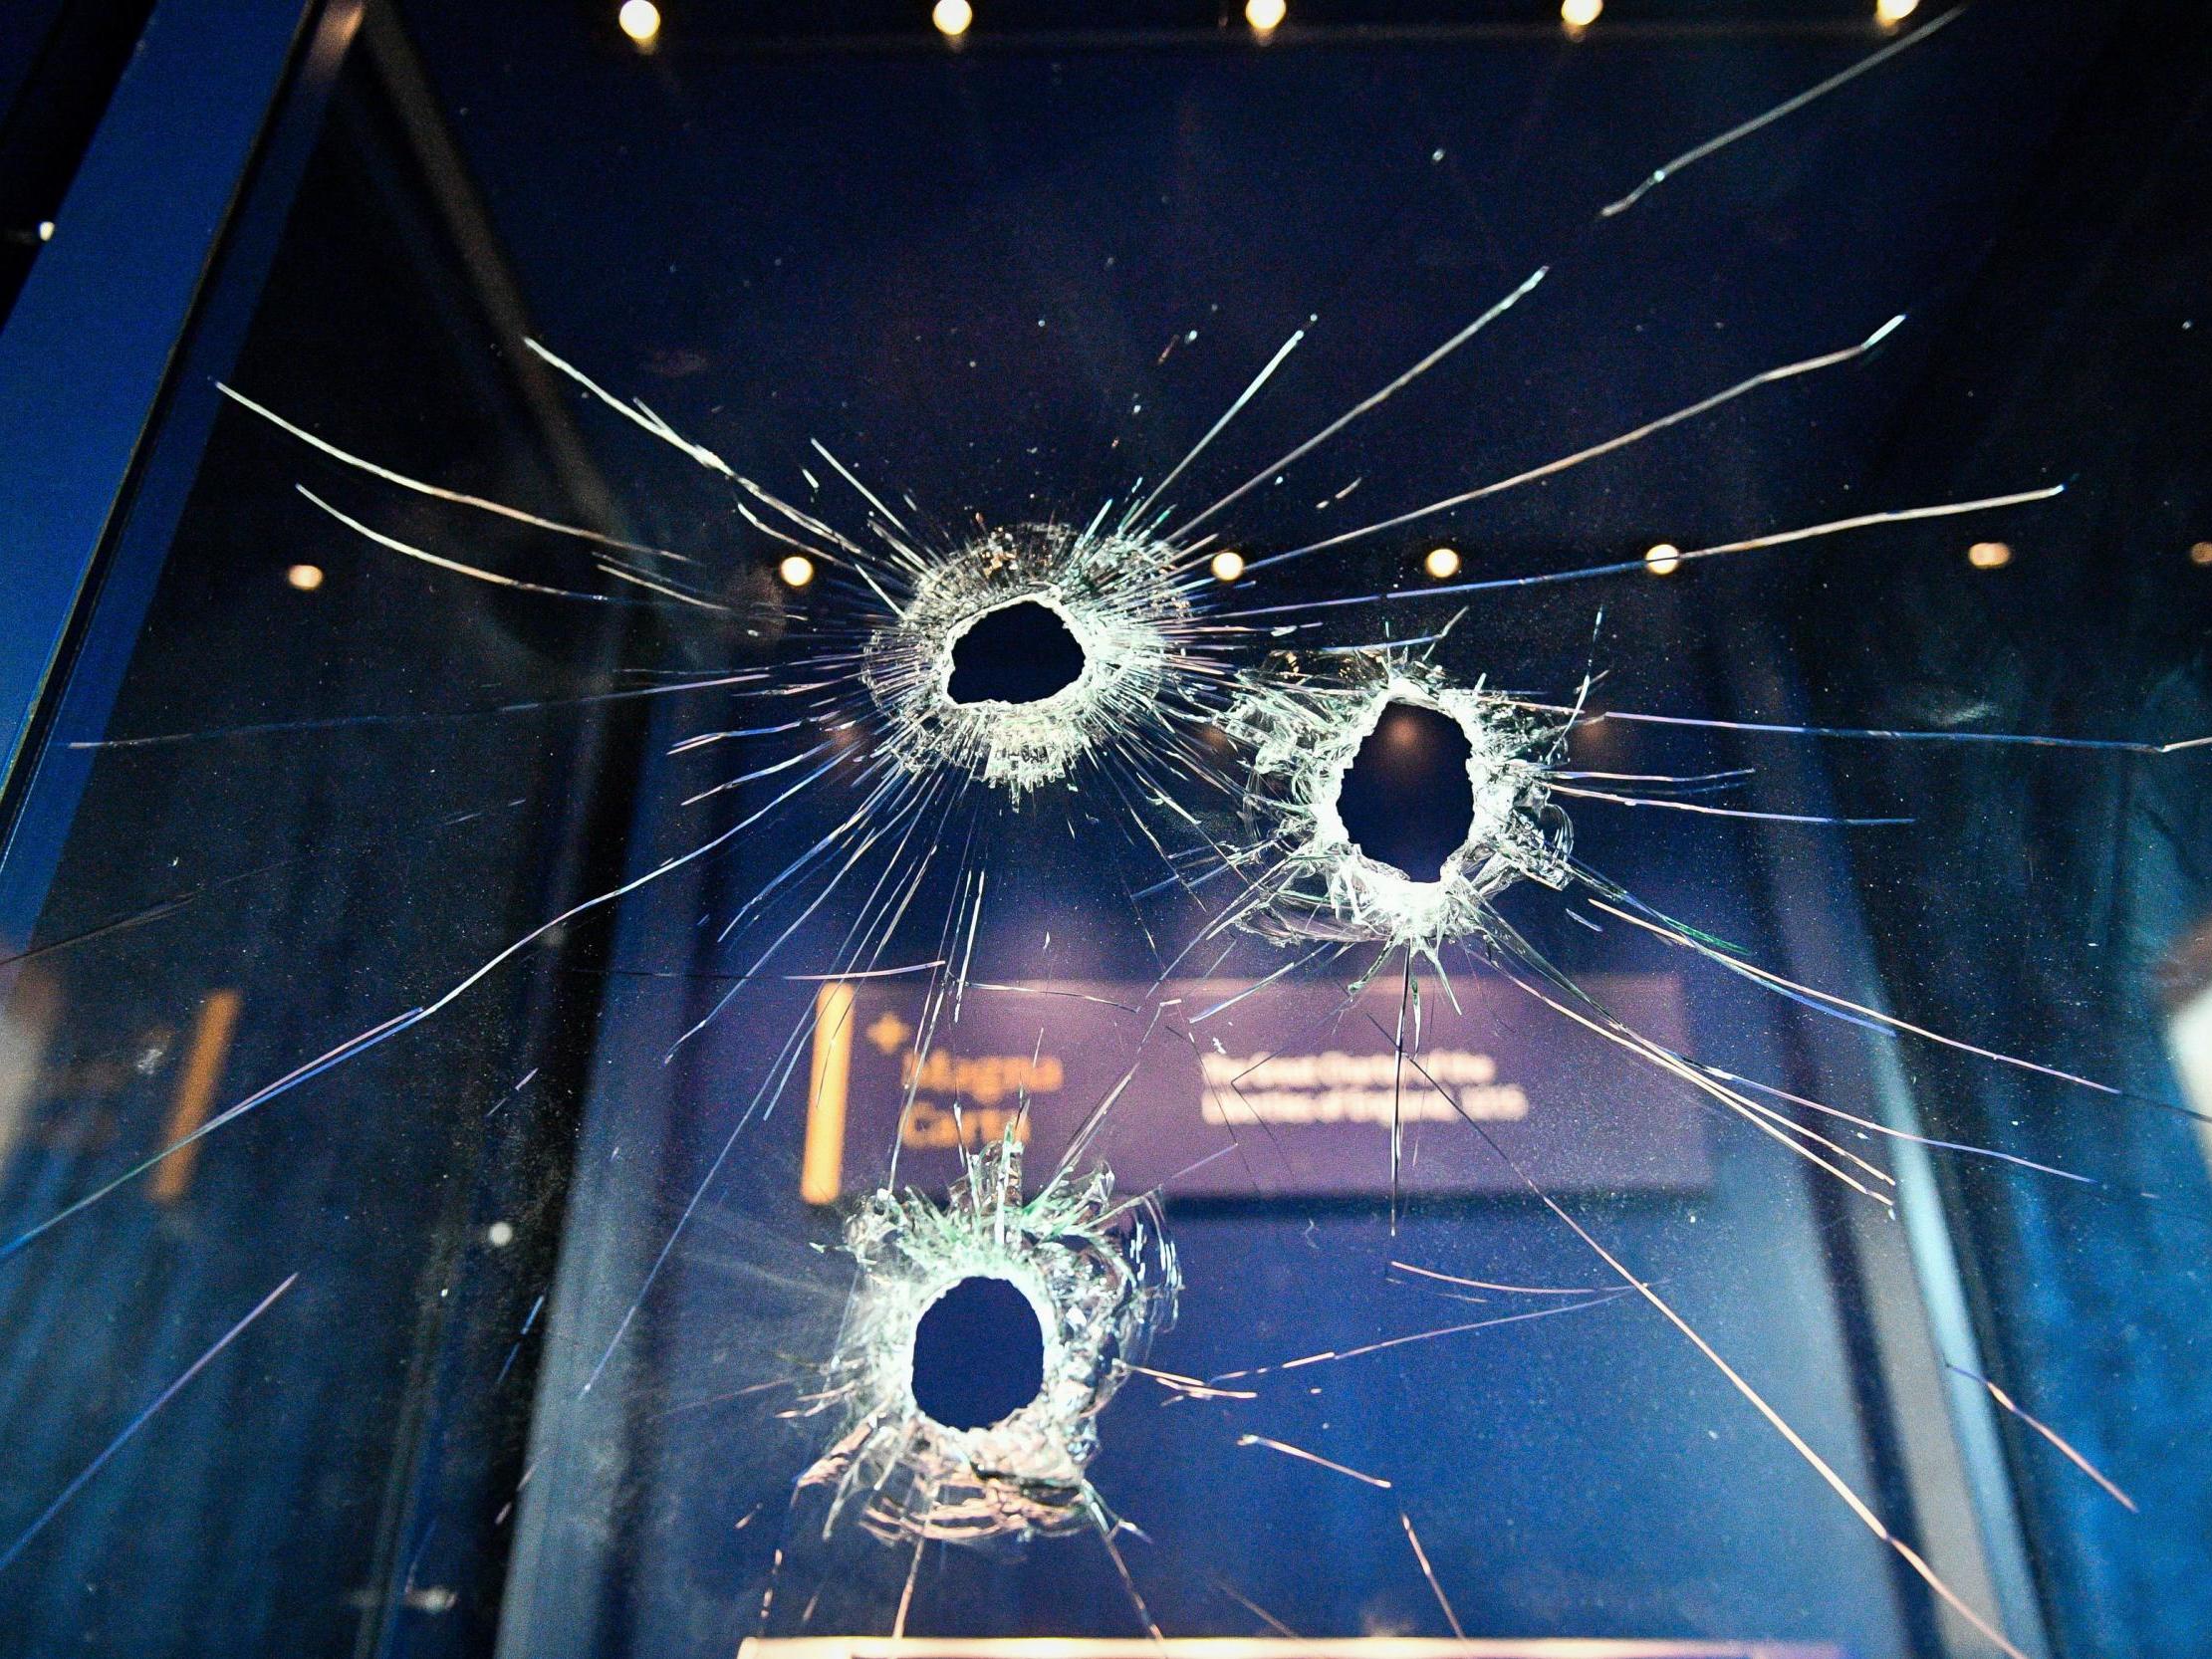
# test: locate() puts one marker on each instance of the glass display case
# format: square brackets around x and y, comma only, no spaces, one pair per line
[1046,830]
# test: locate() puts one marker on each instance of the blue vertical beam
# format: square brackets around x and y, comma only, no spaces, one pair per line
[174,221]
[89,346]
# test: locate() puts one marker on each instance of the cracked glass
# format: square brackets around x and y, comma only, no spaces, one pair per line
[1325,831]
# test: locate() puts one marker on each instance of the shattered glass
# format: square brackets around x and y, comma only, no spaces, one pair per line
[1142,835]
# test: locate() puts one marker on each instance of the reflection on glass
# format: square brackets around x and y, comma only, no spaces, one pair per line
[903,846]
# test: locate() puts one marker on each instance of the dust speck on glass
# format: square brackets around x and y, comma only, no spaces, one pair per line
[976,826]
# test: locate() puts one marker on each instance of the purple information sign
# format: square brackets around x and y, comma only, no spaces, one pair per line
[1234,1093]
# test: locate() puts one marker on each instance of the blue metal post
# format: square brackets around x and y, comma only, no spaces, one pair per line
[88,350]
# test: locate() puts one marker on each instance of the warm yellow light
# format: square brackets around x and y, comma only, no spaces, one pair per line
[1579,14]
[2201,553]
[1227,565]
[1890,13]
[1266,15]
[1662,559]
[1443,562]
[797,570]
[306,577]
[1989,556]
[46,230]
[640,20]
[952,17]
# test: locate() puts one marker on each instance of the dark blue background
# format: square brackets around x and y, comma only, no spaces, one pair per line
[959,271]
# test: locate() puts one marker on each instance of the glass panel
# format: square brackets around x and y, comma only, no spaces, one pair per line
[985,912]
[314,798]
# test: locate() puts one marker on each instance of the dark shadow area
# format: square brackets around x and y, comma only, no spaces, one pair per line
[1405,800]
[979,1354]
[1019,654]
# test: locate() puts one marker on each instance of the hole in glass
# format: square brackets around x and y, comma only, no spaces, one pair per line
[1405,798]
[1019,654]
[979,1354]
